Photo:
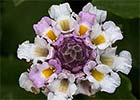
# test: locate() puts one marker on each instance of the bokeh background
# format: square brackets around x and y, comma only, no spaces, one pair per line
[16,20]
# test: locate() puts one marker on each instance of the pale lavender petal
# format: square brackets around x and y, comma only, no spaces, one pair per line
[37,78]
[57,64]
[42,25]
[88,66]
[59,41]
[87,17]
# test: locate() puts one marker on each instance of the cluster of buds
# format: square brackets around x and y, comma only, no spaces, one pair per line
[73,54]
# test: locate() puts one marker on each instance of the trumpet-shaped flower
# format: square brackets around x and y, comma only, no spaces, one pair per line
[39,50]
[45,28]
[105,35]
[121,62]
[62,14]
[44,73]
[102,77]
[86,20]
[63,87]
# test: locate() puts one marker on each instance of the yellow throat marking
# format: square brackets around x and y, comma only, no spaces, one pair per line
[41,51]
[99,40]
[48,72]
[65,25]
[97,75]
[82,29]
[51,35]
[64,85]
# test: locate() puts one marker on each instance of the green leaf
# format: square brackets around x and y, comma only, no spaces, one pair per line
[17,22]
[14,92]
[123,8]
[122,92]
[18,2]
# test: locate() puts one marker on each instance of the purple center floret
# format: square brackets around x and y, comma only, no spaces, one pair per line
[73,54]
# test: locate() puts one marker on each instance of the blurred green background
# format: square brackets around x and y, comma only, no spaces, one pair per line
[16,20]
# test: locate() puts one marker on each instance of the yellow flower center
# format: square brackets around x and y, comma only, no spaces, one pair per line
[99,40]
[65,25]
[97,75]
[107,60]
[41,51]
[48,72]
[51,35]
[64,85]
[82,29]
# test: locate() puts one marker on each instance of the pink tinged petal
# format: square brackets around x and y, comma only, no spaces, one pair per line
[85,87]
[42,25]
[43,74]
[86,17]
[100,14]
[59,41]
[37,78]
[27,84]
[57,64]
[88,42]
[88,66]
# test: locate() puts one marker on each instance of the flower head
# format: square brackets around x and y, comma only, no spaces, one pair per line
[73,54]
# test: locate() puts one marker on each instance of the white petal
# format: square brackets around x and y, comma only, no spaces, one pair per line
[100,14]
[51,51]
[56,11]
[109,52]
[40,42]
[59,96]
[110,83]
[112,31]
[95,84]
[56,84]
[103,68]
[69,26]
[96,30]
[25,51]
[127,55]
[26,83]
[123,62]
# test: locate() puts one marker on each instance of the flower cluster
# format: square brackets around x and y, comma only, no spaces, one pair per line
[73,54]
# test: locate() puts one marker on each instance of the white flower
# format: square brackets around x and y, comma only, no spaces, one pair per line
[102,77]
[62,14]
[104,35]
[100,14]
[121,62]
[63,85]
[27,84]
[40,50]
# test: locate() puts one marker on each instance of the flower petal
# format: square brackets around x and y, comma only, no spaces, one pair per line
[100,14]
[112,31]
[123,62]
[56,11]
[110,83]
[40,50]
[27,84]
